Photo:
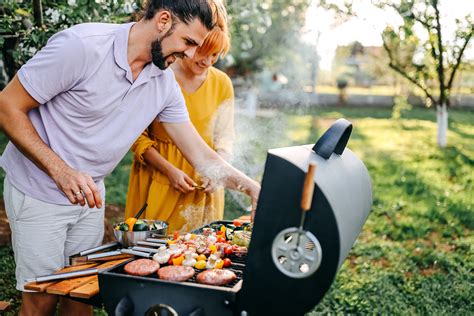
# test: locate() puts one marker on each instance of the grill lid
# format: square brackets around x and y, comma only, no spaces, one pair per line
[265,289]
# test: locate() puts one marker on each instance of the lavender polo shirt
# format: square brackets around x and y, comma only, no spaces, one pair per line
[91,110]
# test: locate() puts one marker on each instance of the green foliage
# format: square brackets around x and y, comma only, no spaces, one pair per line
[264,32]
[7,280]
[24,39]
[400,105]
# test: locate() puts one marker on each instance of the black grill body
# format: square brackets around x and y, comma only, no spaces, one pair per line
[131,295]
[340,206]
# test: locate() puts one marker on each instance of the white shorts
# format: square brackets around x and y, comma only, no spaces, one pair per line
[44,235]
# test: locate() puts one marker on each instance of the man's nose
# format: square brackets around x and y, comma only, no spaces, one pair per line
[190,52]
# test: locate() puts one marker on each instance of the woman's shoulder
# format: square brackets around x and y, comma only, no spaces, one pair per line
[221,82]
[219,75]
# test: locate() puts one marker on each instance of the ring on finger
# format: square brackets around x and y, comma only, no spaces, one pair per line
[78,193]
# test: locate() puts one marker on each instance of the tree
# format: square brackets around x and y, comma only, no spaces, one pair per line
[264,32]
[26,26]
[430,62]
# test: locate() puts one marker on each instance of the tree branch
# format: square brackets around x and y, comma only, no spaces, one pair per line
[458,62]
[395,67]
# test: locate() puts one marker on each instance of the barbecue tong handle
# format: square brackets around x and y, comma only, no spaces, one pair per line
[334,140]
[308,188]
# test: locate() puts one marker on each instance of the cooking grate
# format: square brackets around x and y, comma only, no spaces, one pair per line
[238,265]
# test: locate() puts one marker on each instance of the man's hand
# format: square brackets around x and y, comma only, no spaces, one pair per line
[252,189]
[78,187]
[180,181]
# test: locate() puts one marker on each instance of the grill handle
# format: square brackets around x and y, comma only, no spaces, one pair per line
[334,140]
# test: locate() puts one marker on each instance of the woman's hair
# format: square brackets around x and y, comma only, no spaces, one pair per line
[218,39]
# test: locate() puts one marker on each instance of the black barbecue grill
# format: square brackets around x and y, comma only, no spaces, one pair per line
[267,283]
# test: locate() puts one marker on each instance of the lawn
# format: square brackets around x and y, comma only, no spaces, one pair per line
[414,255]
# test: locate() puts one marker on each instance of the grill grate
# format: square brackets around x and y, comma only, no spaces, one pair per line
[238,265]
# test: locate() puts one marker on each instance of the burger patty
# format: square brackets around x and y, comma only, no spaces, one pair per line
[176,273]
[216,277]
[141,267]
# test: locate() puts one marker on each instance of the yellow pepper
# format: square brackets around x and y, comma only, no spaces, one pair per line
[200,264]
[219,264]
[130,222]
[213,248]
[170,242]
[193,236]
[178,260]
[201,257]
[223,228]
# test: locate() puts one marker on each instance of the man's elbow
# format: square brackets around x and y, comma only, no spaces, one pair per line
[8,112]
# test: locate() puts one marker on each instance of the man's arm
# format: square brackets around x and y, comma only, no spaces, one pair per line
[15,103]
[207,162]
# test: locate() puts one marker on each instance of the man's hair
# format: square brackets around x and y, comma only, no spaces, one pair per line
[186,10]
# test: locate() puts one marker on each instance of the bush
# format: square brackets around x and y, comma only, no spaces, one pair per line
[21,38]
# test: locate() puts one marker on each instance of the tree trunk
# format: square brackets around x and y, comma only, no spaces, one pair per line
[442,120]
[38,12]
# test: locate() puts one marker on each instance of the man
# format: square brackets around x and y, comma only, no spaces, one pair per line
[72,113]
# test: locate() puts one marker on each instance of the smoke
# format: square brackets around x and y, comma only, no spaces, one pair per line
[196,215]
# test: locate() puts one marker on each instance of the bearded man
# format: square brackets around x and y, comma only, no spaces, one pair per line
[71,114]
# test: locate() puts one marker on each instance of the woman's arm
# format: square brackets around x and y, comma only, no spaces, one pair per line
[207,162]
[146,154]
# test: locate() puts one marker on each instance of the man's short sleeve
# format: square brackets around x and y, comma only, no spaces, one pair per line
[56,68]
[175,110]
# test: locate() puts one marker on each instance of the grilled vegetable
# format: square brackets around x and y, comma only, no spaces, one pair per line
[131,222]
[140,226]
[241,238]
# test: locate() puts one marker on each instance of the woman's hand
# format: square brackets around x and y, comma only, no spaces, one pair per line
[180,181]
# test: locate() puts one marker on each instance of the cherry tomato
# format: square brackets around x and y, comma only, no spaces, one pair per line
[227,262]
[237,223]
[228,250]
[176,235]
[221,239]
[170,260]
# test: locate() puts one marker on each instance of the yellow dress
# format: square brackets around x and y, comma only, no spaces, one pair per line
[211,112]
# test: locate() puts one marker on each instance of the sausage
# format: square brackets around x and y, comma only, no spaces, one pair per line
[216,277]
[176,273]
[141,267]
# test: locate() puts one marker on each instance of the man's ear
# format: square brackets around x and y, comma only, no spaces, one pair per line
[163,20]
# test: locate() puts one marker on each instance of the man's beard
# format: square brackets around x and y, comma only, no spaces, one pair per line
[157,51]
[157,55]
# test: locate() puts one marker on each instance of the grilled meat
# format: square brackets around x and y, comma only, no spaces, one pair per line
[141,267]
[176,273]
[216,277]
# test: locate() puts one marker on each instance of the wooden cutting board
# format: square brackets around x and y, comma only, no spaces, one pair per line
[41,286]
[83,287]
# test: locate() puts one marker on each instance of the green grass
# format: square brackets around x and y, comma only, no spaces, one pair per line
[414,255]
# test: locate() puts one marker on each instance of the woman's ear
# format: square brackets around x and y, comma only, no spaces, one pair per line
[163,20]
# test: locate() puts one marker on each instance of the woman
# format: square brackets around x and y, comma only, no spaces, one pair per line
[160,175]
